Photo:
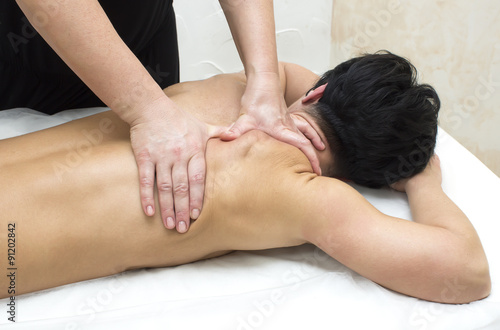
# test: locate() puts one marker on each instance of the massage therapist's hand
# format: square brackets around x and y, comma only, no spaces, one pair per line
[263,107]
[171,143]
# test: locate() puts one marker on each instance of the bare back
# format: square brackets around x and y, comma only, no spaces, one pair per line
[83,176]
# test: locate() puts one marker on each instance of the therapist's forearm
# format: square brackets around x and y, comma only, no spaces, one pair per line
[82,35]
[252,26]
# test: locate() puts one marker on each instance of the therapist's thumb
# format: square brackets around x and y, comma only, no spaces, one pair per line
[215,131]
[240,127]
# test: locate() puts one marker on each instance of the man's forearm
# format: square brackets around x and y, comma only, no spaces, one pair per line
[464,254]
[431,206]
[252,26]
[82,35]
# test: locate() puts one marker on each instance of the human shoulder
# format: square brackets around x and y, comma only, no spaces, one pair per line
[219,83]
[278,156]
[296,80]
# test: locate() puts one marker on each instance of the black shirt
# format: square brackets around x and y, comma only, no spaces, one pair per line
[32,75]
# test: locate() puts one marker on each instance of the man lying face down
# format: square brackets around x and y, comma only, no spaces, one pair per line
[380,124]
[85,220]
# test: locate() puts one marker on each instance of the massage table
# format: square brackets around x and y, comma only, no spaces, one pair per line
[287,288]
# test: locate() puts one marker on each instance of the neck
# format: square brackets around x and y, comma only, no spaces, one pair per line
[326,156]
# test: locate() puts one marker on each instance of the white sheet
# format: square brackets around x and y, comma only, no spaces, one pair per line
[290,288]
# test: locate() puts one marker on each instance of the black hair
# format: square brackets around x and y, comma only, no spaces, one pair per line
[379,122]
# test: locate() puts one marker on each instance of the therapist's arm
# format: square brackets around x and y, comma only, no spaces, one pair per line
[262,105]
[166,140]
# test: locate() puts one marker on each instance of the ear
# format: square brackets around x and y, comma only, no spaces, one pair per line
[315,94]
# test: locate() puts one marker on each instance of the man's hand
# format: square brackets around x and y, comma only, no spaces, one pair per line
[171,143]
[263,107]
[430,176]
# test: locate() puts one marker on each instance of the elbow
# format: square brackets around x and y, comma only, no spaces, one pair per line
[479,279]
[475,270]
[469,281]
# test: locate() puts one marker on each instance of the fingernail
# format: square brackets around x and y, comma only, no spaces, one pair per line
[149,210]
[182,227]
[195,214]
[170,223]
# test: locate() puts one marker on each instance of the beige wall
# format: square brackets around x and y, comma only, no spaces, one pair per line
[455,45]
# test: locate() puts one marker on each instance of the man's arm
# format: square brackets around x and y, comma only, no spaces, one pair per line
[438,257]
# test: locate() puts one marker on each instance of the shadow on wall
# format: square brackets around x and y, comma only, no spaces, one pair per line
[206,46]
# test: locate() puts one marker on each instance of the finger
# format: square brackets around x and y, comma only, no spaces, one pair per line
[216,131]
[165,194]
[181,196]
[146,182]
[196,172]
[435,159]
[310,153]
[240,127]
[304,145]
[310,133]
[399,185]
